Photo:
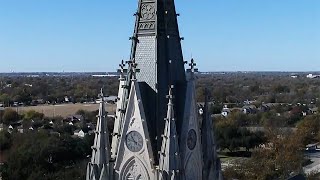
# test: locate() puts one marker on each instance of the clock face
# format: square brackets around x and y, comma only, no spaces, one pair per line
[192,139]
[134,141]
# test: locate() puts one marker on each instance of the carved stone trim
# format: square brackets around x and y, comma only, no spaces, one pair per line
[134,170]
[146,25]
[148,12]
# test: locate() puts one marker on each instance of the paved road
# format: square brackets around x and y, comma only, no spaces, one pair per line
[315,166]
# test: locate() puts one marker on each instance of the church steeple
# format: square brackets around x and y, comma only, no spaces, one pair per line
[99,167]
[140,131]
[156,45]
[169,167]
[156,49]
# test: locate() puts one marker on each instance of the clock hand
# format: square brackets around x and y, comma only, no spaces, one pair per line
[132,138]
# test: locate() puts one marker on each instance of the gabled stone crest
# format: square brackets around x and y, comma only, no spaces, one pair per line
[135,157]
[190,140]
[169,167]
[211,161]
[99,166]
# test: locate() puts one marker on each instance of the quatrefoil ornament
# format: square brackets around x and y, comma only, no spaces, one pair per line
[148,12]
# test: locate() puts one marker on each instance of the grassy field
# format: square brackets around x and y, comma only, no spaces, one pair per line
[63,110]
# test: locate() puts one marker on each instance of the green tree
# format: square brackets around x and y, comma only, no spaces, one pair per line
[5,99]
[231,137]
[5,140]
[47,157]
[9,116]
[32,114]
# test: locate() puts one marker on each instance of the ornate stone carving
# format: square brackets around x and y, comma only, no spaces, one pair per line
[135,171]
[192,139]
[148,11]
[147,26]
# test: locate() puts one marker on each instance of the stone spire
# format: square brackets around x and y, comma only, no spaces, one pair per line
[169,167]
[211,162]
[98,168]
[156,43]
[121,107]
[156,49]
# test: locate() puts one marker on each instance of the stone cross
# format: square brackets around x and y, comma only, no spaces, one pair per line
[122,69]
[192,65]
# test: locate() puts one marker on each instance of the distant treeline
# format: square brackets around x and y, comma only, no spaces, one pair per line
[224,88]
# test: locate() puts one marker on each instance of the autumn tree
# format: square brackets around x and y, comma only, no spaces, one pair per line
[279,159]
[308,129]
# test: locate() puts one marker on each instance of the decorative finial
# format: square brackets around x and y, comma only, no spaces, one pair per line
[170,95]
[122,69]
[133,67]
[101,94]
[192,65]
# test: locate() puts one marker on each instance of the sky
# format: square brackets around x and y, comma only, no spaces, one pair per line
[221,35]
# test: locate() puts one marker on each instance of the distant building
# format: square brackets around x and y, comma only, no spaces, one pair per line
[111,99]
[312,147]
[304,113]
[247,102]
[74,118]
[108,99]
[251,109]
[314,110]
[10,129]
[29,85]
[225,111]
[79,133]
[20,129]
[311,76]
[268,106]
[8,86]
[66,99]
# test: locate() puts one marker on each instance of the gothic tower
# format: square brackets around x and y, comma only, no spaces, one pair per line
[157,54]
[157,136]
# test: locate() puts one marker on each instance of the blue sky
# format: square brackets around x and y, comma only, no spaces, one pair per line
[222,35]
